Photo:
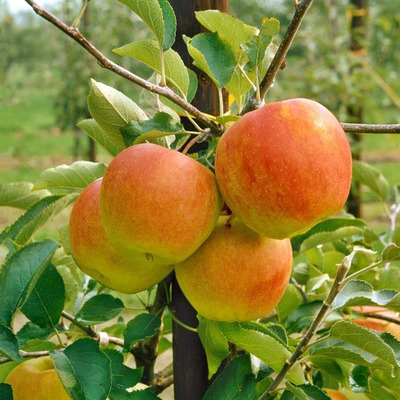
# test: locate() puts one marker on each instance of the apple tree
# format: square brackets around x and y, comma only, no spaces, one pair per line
[217,232]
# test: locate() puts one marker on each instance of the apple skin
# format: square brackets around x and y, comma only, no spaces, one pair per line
[158,201]
[284,167]
[378,325]
[236,275]
[335,395]
[36,379]
[95,255]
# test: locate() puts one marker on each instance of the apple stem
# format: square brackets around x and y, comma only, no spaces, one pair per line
[174,317]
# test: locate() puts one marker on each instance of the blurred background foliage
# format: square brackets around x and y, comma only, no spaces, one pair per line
[44,76]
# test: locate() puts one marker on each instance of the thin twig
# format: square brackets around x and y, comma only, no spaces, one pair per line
[371,128]
[381,317]
[105,62]
[280,55]
[337,284]
[26,354]
[163,379]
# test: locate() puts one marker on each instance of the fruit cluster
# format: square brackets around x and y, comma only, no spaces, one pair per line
[279,169]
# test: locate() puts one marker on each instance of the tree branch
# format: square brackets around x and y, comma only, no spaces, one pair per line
[371,128]
[280,55]
[337,284]
[105,62]
[163,379]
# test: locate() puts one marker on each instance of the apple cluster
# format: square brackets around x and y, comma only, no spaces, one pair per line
[279,169]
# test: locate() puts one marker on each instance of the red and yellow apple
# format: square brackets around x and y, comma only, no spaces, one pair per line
[36,379]
[95,255]
[284,167]
[158,201]
[236,275]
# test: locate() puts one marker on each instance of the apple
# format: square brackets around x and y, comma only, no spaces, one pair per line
[375,324]
[158,201]
[236,275]
[284,167]
[95,255]
[36,379]
[335,395]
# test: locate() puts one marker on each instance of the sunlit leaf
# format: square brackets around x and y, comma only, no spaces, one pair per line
[94,131]
[371,177]
[148,52]
[214,342]
[20,195]
[75,176]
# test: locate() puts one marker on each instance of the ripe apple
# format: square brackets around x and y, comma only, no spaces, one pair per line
[158,201]
[95,255]
[375,324]
[335,395]
[236,275]
[36,379]
[284,167]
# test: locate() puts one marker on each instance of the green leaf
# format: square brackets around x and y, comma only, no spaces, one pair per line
[303,316]
[9,345]
[214,342]
[94,131]
[307,392]
[33,219]
[391,253]
[31,331]
[378,392]
[372,178]
[359,378]
[46,301]
[263,344]
[140,328]
[328,231]
[340,350]
[212,56]
[159,16]
[290,301]
[162,124]
[112,110]
[6,392]
[257,46]
[123,377]
[330,367]
[75,176]
[39,345]
[84,370]
[365,340]
[236,382]
[358,293]
[98,309]
[20,195]
[148,52]
[232,30]
[20,273]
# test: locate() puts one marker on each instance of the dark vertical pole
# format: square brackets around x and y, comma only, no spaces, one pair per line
[358,33]
[92,154]
[190,364]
